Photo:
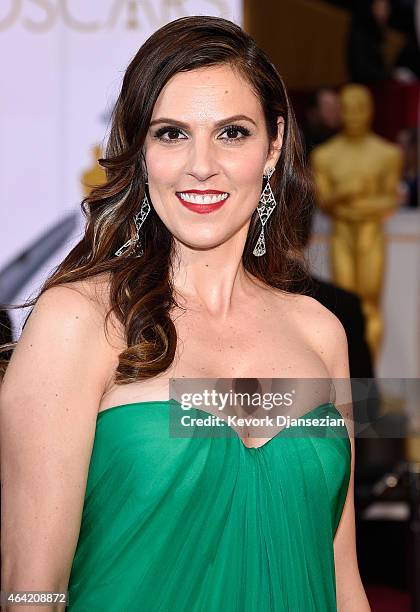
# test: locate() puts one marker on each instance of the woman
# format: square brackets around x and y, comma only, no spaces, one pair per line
[109,505]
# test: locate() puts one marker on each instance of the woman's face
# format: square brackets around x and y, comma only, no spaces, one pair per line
[207,133]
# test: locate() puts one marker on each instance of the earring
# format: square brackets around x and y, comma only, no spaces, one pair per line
[139,219]
[264,209]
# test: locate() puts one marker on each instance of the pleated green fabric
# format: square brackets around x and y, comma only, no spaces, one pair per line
[205,524]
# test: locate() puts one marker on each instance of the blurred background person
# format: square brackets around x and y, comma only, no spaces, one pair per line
[408,140]
[407,65]
[322,118]
[365,51]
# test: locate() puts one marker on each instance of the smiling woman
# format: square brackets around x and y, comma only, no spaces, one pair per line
[190,267]
[228,158]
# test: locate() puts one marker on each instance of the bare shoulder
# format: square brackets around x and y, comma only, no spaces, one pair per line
[307,306]
[66,327]
[73,300]
[322,329]
[92,293]
[92,296]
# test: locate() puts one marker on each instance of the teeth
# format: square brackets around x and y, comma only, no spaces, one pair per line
[206,199]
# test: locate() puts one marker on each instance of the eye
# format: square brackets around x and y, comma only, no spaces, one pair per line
[236,128]
[170,130]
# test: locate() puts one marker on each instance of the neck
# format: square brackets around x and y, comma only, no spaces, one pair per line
[212,279]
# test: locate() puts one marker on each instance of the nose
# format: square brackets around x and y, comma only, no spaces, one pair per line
[202,163]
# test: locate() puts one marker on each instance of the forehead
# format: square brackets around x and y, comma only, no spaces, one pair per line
[207,93]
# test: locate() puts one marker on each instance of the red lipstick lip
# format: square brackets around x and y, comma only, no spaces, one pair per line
[202,192]
[202,208]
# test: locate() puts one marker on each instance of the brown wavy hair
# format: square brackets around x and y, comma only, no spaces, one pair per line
[141,295]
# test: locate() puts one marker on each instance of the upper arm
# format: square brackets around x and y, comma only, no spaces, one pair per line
[350,591]
[330,339]
[48,405]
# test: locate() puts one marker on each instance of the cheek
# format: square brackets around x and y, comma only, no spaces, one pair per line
[246,179]
[246,167]
[163,167]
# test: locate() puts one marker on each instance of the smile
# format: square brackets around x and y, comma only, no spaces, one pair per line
[202,203]
[195,198]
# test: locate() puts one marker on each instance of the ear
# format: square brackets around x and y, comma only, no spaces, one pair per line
[276,145]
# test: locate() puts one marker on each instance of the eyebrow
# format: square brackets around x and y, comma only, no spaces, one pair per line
[217,124]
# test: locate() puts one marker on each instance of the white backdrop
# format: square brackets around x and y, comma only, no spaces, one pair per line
[62,65]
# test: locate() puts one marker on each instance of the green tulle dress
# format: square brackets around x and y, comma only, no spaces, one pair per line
[204,523]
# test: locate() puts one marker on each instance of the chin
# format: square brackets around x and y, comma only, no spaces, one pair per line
[199,245]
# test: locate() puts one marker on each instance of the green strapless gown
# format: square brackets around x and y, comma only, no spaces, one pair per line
[205,524]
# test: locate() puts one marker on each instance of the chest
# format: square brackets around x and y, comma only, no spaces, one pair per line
[265,342]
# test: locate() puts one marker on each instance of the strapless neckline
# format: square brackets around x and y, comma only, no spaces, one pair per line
[116,409]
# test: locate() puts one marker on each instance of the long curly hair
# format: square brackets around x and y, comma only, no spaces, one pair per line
[141,295]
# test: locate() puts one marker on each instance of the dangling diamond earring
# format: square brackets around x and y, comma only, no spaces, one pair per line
[265,208]
[139,219]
